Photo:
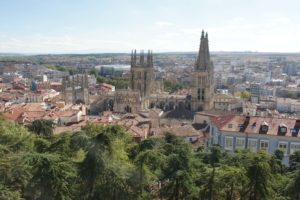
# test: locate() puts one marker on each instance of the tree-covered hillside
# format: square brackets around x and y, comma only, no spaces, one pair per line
[105,163]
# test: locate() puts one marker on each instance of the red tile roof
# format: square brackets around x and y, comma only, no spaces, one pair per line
[220,121]
[255,122]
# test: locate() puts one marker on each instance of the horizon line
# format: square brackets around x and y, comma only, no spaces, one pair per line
[158,52]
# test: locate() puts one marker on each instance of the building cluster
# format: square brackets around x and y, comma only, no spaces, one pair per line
[241,101]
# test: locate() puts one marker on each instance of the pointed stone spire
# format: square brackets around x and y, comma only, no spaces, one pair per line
[142,58]
[73,83]
[82,81]
[134,57]
[202,34]
[77,80]
[203,59]
[151,58]
[86,80]
[148,59]
[131,57]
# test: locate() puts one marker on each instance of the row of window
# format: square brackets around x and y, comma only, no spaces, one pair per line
[240,143]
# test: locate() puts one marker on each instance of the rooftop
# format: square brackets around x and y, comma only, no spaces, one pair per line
[253,126]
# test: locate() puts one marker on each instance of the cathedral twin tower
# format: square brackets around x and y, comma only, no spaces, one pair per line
[142,78]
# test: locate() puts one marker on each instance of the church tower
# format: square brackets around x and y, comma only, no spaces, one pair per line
[76,89]
[142,75]
[203,78]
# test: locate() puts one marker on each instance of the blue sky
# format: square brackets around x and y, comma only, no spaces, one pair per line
[91,26]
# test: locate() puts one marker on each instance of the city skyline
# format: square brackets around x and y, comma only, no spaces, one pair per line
[117,26]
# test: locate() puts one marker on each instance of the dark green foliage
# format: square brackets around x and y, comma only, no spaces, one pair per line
[293,187]
[173,87]
[52,177]
[295,161]
[42,127]
[119,83]
[104,162]
[279,154]
[57,67]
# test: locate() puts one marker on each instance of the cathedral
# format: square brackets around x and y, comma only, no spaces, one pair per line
[203,78]
[75,89]
[142,76]
[143,92]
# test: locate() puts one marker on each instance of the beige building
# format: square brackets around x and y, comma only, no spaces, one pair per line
[226,102]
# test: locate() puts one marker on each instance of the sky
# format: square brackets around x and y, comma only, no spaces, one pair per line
[98,26]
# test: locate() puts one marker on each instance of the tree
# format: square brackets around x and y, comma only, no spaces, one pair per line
[279,154]
[245,95]
[294,185]
[238,94]
[42,127]
[229,182]
[52,177]
[94,72]
[295,160]
[259,175]
[15,137]
[276,161]
[149,164]
[214,158]
[7,193]
[106,169]
[178,174]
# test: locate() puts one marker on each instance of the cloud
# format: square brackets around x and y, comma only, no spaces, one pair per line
[40,43]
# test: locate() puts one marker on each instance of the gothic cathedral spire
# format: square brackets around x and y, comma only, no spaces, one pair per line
[203,78]
[203,59]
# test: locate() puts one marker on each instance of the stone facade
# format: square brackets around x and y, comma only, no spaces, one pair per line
[144,92]
[142,76]
[76,89]
[203,78]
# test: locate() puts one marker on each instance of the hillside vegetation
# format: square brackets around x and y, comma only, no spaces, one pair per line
[105,163]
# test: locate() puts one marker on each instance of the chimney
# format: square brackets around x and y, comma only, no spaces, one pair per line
[244,126]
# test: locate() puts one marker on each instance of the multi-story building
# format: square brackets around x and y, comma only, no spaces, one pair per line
[256,133]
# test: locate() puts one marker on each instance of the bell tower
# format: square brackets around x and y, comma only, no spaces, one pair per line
[203,78]
[142,75]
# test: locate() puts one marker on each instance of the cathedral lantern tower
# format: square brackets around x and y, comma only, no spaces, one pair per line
[142,75]
[203,78]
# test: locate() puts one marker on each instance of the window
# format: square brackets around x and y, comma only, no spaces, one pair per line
[264,128]
[229,125]
[294,147]
[264,145]
[216,139]
[228,143]
[240,143]
[283,146]
[252,144]
[283,129]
